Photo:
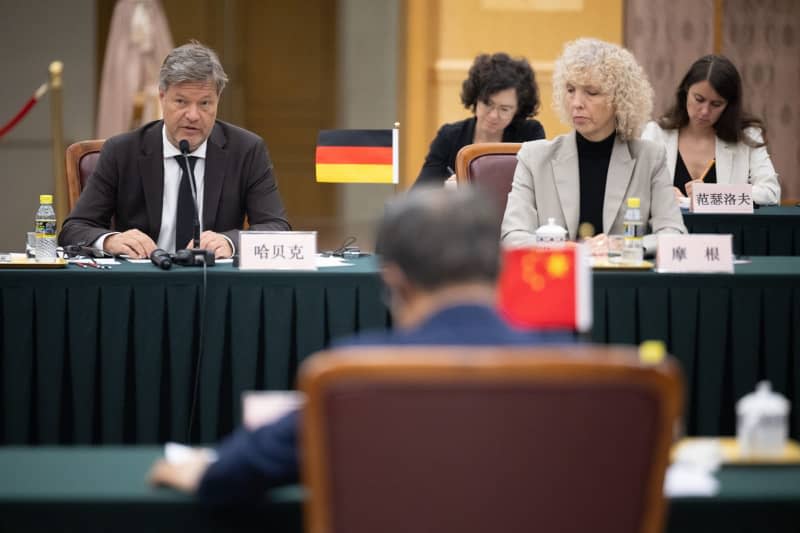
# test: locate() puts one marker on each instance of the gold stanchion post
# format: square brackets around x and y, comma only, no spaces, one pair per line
[57,127]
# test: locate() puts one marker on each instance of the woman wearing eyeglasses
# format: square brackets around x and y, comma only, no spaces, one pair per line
[503,95]
[585,176]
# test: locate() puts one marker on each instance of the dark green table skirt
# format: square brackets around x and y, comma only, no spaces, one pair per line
[110,356]
[728,331]
[768,231]
[85,489]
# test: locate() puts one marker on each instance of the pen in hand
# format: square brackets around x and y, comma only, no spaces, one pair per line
[708,168]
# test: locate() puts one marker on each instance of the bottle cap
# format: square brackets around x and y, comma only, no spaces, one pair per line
[652,352]
[45,198]
[633,202]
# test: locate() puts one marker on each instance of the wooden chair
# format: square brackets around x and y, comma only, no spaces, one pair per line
[82,157]
[567,439]
[489,166]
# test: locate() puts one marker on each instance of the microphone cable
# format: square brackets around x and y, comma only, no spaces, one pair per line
[201,342]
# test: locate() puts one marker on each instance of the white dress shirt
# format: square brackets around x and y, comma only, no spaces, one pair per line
[172,184]
[169,200]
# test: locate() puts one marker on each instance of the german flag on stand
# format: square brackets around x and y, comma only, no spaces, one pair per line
[357,156]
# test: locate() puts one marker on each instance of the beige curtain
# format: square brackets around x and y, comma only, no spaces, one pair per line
[666,37]
[763,39]
[138,41]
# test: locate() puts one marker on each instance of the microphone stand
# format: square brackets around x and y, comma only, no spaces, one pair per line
[197,229]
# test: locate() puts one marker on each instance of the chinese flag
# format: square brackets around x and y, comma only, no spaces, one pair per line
[542,288]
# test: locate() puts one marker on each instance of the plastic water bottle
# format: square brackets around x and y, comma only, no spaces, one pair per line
[633,249]
[45,229]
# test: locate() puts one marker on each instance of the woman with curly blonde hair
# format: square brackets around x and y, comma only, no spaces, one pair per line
[585,176]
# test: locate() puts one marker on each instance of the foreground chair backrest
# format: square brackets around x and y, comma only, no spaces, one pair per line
[551,439]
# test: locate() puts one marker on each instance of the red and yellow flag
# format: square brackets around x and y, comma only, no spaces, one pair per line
[357,156]
[543,288]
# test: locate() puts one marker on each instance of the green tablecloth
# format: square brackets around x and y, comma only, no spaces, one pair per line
[110,355]
[103,489]
[768,231]
[88,489]
[751,499]
[728,331]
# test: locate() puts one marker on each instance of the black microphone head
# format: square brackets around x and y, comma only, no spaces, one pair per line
[161,259]
[183,146]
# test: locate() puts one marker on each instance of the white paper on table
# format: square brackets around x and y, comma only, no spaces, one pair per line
[264,407]
[688,480]
[98,260]
[331,261]
[692,471]
[177,453]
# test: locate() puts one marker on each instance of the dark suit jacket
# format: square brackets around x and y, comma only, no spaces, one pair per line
[452,137]
[128,185]
[252,461]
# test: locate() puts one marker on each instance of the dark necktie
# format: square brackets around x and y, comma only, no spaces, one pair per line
[184,216]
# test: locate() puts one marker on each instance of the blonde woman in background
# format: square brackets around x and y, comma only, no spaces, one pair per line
[585,176]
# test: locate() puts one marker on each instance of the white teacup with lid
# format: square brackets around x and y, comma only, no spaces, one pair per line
[551,235]
[762,424]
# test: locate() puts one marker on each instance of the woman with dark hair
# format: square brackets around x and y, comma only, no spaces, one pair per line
[709,138]
[503,95]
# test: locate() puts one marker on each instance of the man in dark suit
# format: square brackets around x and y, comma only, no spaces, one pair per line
[142,182]
[440,260]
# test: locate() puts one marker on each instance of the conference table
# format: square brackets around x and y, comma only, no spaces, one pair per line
[112,356]
[771,230]
[90,489]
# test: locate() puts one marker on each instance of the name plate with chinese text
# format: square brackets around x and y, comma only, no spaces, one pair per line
[722,198]
[278,250]
[697,252]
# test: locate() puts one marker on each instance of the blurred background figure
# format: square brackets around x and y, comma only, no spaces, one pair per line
[710,138]
[440,259]
[584,177]
[502,94]
[138,41]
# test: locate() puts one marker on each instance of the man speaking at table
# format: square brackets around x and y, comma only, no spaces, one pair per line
[141,182]
[440,260]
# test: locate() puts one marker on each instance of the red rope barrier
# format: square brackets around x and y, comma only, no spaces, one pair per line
[24,111]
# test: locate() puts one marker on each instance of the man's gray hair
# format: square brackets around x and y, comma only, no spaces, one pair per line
[192,62]
[439,237]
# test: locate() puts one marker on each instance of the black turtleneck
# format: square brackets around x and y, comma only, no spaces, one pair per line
[593,159]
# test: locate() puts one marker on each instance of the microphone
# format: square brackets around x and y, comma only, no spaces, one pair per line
[161,259]
[183,146]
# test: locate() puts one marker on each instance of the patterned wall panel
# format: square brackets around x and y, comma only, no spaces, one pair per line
[762,37]
[666,37]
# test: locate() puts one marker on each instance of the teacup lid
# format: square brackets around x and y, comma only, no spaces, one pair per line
[551,229]
[763,402]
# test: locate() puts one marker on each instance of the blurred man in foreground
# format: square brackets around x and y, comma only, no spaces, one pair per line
[440,261]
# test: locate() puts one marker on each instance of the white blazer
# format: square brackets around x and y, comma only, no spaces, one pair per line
[735,162]
[547,185]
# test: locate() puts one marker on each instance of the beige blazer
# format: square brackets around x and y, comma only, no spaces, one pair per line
[735,162]
[547,185]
